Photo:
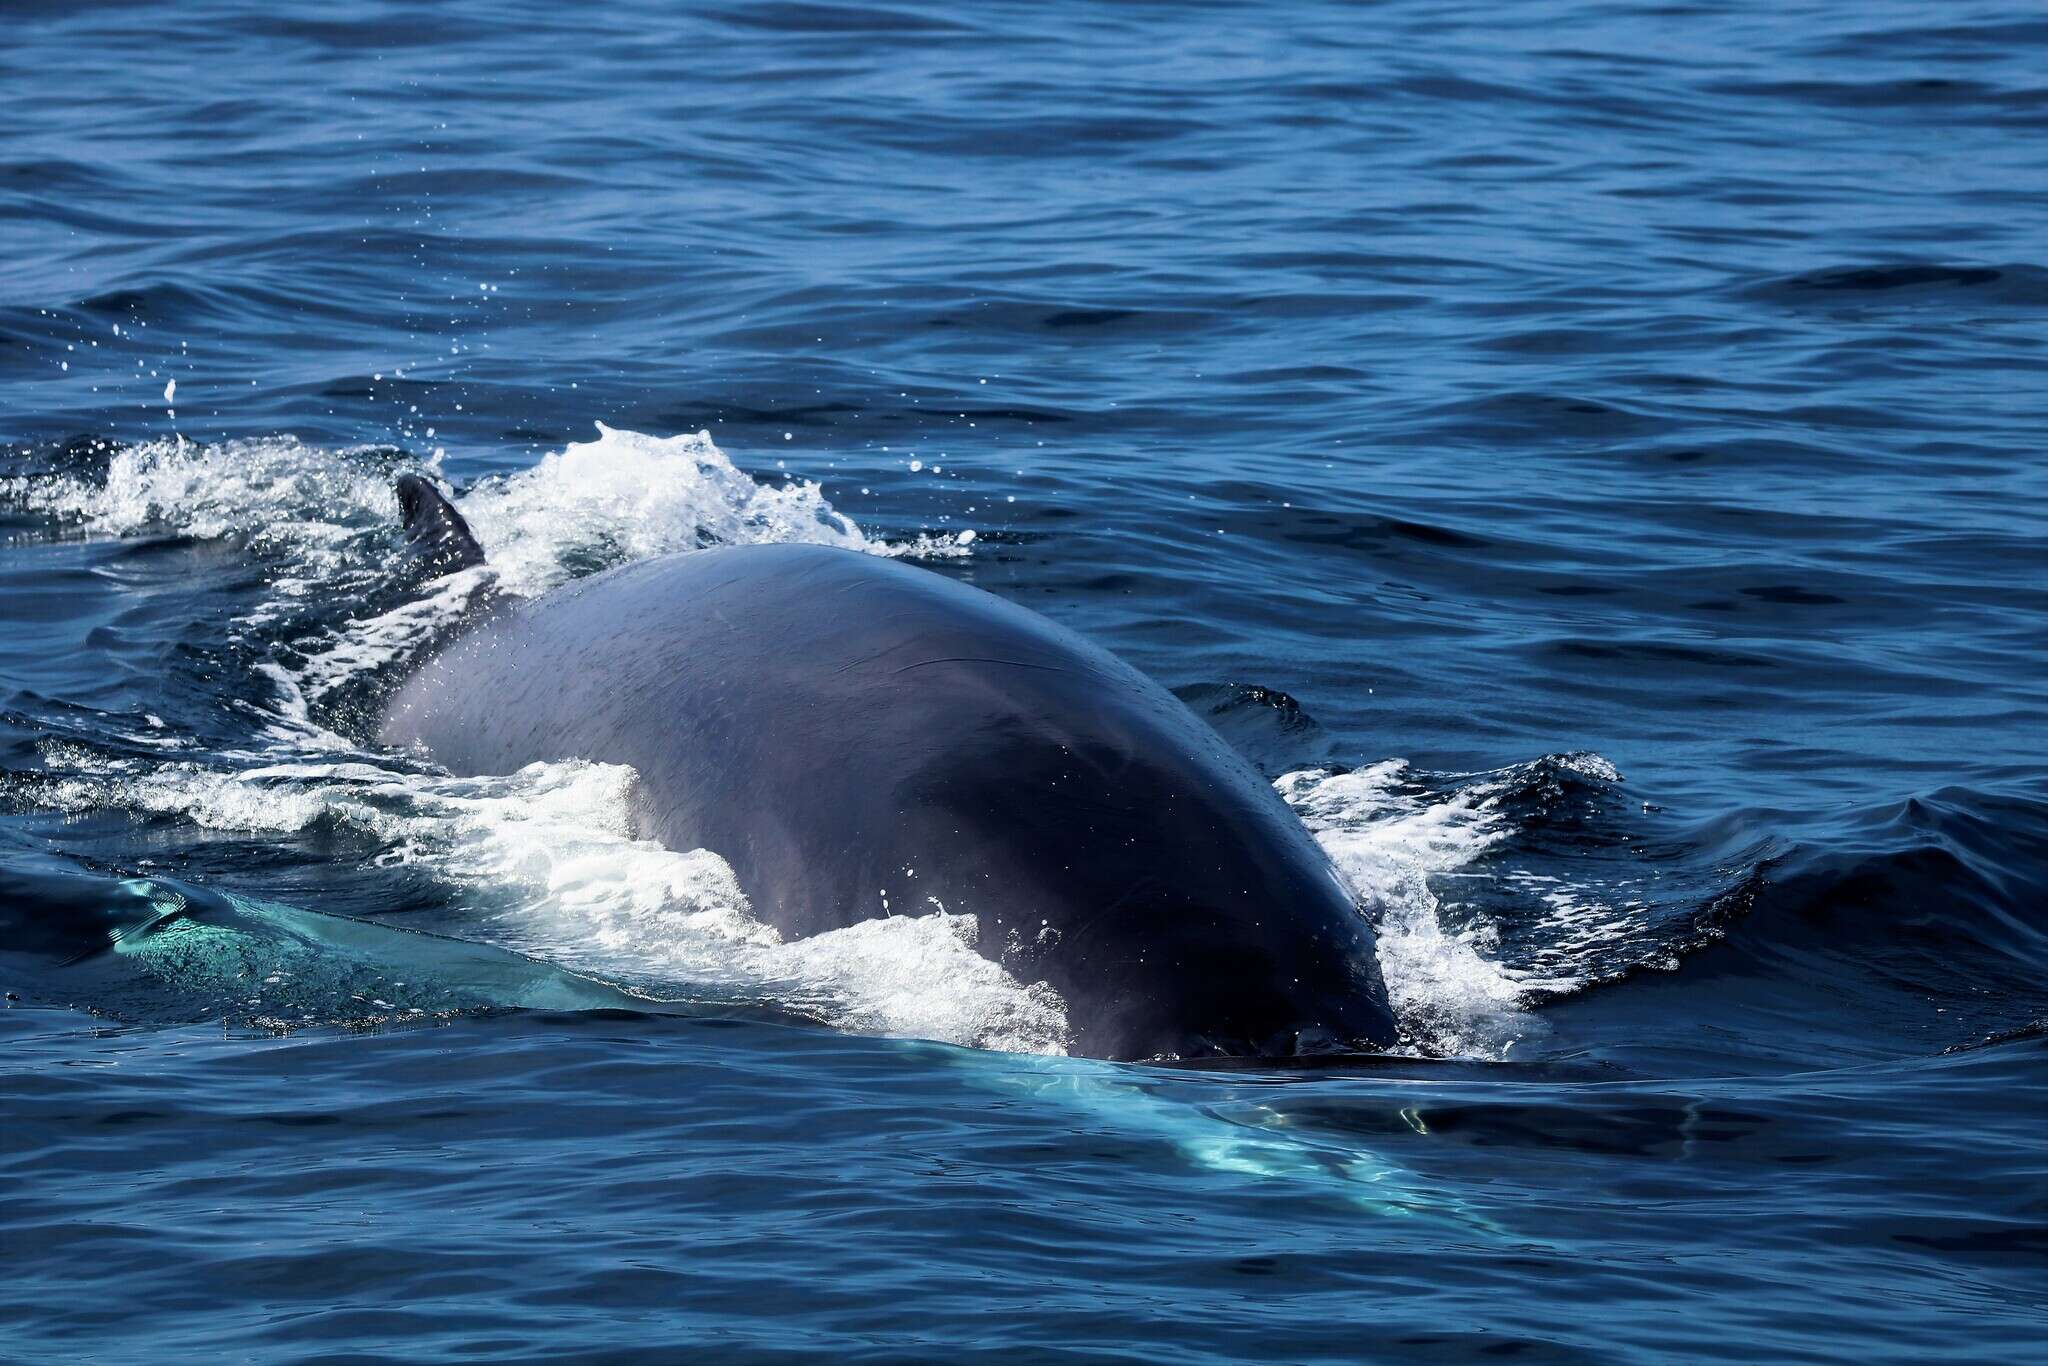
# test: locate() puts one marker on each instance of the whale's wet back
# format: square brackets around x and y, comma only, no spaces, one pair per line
[860,738]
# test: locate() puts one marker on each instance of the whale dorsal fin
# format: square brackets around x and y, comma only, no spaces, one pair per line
[437,540]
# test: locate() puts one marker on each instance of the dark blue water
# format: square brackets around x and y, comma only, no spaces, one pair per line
[1593,456]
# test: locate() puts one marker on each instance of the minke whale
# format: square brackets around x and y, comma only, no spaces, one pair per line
[860,738]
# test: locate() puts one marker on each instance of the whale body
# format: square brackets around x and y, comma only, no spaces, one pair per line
[859,737]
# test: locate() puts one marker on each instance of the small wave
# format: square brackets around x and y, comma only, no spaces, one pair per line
[304,503]
[1500,892]
[1894,930]
[1388,841]
[1914,284]
[1263,724]
[1923,901]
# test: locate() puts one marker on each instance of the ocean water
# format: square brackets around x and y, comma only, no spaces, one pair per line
[1593,457]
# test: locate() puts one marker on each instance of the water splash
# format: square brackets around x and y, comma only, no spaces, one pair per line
[1389,840]
[627,496]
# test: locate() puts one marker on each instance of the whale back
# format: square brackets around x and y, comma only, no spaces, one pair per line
[860,738]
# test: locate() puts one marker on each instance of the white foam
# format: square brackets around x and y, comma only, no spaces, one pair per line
[627,496]
[209,798]
[383,641]
[1577,926]
[305,501]
[600,901]
[1590,765]
[1388,841]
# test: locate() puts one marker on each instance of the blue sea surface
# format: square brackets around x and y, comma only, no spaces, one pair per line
[1591,456]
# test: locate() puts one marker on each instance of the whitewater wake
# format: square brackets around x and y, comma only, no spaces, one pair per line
[546,859]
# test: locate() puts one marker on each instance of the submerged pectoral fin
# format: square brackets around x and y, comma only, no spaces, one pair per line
[437,540]
[150,949]
[53,916]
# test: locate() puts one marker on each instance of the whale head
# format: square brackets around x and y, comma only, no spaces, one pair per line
[1177,915]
